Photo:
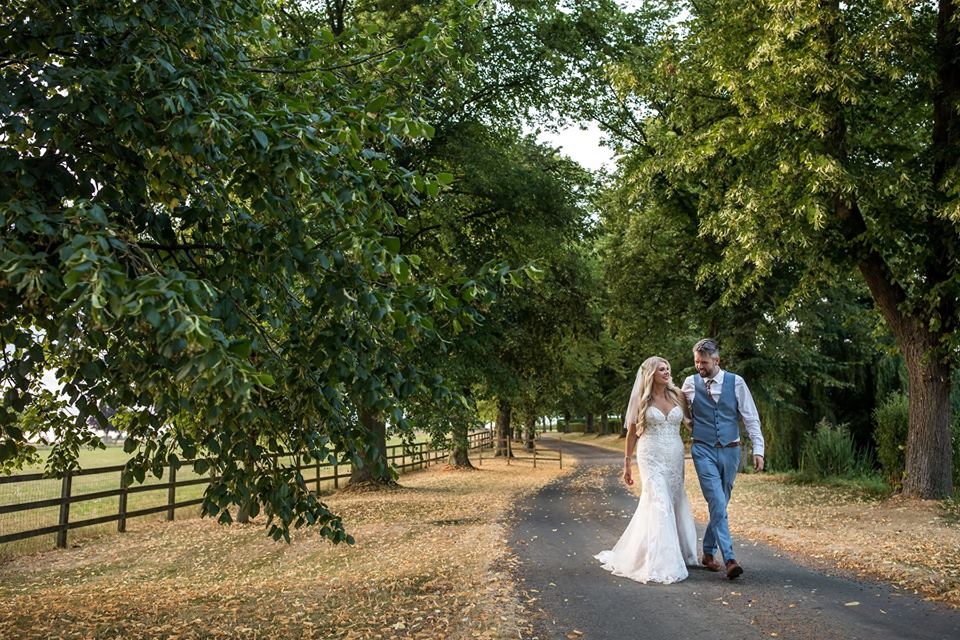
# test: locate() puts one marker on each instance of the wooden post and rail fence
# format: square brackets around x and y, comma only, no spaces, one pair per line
[401,457]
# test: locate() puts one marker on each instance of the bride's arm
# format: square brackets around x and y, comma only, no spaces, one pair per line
[628,452]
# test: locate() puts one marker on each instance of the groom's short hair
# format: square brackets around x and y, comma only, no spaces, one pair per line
[707,346]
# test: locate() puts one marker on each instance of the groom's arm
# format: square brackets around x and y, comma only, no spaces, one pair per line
[687,390]
[751,420]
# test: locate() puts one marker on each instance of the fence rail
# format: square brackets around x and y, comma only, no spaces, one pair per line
[532,454]
[402,457]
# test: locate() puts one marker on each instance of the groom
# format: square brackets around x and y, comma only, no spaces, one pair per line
[719,400]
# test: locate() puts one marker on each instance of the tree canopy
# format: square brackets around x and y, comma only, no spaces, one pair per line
[199,235]
[216,231]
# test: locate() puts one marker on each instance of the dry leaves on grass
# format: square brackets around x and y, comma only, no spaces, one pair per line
[430,561]
[907,543]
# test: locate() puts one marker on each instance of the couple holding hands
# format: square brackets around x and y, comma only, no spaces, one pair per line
[660,541]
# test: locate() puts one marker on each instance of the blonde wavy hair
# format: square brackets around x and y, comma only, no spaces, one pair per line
[640,397]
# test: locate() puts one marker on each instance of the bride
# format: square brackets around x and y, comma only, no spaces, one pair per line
[661,539]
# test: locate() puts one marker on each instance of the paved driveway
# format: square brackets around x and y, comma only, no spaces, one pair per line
[557,532]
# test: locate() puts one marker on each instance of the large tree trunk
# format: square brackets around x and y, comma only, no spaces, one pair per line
[250,505]
[929,453]
[503,429]
[929,469]
[460,458]
[374,467]
[929,472]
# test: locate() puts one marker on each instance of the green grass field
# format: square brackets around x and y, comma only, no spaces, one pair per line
[89,458]
[34,490]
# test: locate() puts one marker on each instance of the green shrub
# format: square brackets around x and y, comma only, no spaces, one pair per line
[893,418]
[829,452]
[950,510]
[783,429]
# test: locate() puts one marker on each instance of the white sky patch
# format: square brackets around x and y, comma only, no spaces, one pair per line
[582,146]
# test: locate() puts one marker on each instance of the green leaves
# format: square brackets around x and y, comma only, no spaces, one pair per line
[201,235]
[261,138]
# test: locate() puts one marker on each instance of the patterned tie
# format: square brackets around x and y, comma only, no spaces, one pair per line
[709,382]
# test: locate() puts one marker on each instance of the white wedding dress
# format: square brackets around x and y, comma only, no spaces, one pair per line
[661,539]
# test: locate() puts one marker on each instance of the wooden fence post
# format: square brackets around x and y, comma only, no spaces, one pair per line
[65,489]
[172,494]
[122,508]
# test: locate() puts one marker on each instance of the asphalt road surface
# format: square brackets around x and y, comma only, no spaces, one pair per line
[556,534]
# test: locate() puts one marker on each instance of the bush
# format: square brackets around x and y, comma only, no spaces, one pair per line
[829,452]
[893,418]
[950,510]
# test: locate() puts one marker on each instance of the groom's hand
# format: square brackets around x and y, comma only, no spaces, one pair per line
[757,463]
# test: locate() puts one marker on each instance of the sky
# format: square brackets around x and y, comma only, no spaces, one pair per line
[581,146]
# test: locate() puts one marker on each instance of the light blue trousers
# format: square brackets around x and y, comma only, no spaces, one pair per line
[716,470]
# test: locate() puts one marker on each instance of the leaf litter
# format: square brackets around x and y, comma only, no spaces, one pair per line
[905,542]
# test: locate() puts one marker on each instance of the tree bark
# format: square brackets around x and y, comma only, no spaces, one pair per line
[374,467]
[246,508]
[503,429]
[460,444]
[460,458]
[929,470]
[529,432]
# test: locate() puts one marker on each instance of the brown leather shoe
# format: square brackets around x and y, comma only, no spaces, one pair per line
[710,563]
[734,570]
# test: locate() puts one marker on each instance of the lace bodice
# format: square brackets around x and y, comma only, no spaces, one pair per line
[658,424]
